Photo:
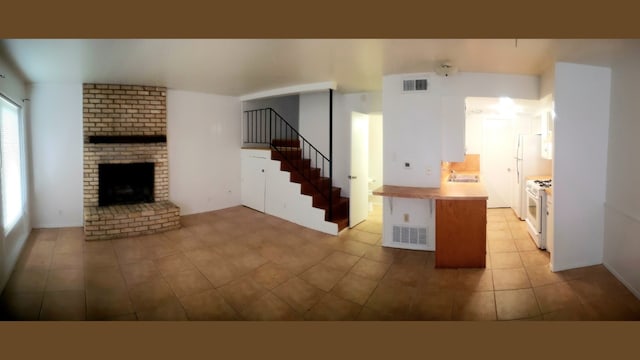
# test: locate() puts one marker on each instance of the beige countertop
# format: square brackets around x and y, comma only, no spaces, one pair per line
[446,191]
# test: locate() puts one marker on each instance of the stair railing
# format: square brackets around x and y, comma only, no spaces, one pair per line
[266,126]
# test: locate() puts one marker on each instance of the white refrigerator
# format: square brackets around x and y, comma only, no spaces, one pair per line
[528,161]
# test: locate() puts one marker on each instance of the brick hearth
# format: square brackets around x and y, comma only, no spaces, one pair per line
[125,110]
[107,222]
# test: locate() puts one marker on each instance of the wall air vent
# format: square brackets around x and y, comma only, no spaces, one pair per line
[415,85]
[409,235]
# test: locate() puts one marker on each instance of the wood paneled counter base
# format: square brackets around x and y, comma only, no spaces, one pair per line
[461,233]
[461,221]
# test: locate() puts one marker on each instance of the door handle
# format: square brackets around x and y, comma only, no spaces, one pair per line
[352,177]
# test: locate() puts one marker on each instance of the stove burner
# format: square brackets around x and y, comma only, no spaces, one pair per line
[543,183]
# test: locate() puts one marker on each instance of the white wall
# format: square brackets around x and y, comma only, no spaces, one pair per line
[314,126]
[452,118]
[285,106]
[344,105]
[314,119]
[622,208]
[412,134]
[375,153]
[412,122]
[547,82]
[203,140]
[413,130]
[56,143]
[580,164]
[12,86]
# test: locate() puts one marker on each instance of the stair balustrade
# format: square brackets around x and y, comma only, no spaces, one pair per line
[267,127]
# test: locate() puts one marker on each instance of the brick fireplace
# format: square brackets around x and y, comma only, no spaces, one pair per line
[124,128]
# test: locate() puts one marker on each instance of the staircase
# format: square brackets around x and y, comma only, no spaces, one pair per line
[312,183]
[306,165]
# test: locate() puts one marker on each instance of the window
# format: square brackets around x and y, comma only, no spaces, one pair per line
[11,164]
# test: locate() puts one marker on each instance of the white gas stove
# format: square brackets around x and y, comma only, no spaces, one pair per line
[536,210]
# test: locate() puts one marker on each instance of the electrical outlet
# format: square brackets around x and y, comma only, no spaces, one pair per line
[406,218]
[428,171]
[407,165]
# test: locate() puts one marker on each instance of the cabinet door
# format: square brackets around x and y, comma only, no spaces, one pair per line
[461,233]
[547,135]
[253,182]
[453,128]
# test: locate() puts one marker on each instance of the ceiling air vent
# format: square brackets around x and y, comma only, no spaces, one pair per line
[415,85]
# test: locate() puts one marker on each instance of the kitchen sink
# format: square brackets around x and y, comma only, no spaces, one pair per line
[463,178]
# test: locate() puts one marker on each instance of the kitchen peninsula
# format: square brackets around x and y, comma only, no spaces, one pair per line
[460,220]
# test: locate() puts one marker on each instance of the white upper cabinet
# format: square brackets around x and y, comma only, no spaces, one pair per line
[546,127]
[453,128]
[547,135]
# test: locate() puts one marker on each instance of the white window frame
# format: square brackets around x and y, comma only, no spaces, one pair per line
[8,228]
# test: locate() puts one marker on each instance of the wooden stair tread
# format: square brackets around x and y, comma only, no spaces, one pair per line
[292,161]
[285,142]
[342,223]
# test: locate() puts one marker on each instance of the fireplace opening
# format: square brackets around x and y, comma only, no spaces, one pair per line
[122,184]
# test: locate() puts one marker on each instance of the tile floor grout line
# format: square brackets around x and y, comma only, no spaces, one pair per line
[376,287]
[172,290]
[135,312]
[43,292]
[495,303]
[291,305]
[236,311]
[493,282]
[601,313]
[203,275]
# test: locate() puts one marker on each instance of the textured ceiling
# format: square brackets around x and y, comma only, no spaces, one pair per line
[241,66]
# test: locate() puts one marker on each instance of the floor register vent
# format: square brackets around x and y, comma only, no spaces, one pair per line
[409,235]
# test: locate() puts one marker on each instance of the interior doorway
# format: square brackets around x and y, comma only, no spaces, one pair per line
[495,161]
[492,129]
[359,171]
[366,166]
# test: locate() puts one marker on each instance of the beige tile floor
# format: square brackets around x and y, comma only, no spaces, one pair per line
[239,264]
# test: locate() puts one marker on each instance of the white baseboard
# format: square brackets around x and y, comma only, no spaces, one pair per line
[612,270]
